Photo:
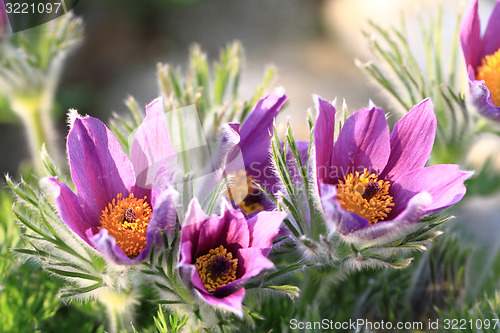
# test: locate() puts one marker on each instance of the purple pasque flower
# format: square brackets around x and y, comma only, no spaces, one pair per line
[254,149]
[118,209]
[374,184]
[482,58]
[218,254]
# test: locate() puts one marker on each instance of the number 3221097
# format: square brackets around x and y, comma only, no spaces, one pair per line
[38,8]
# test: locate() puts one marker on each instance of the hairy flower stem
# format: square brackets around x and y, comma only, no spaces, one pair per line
[119,308]
[34,110]
[28,109]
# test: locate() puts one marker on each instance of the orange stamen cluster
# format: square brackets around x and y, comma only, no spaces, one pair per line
[489,71]
[244,192]
[365,195]
[127,221]
[216,268]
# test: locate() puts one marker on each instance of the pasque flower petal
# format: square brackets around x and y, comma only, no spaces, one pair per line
[232,302]
[444,182]
[491,37]
[323,135]
[106,245]
[362,143]
[98,166]
[255,140]
[412,139]
[337,218]
[470,36]
[254,132]
[396,228]
[481,98]
[152,152]
[263,229]
[71,209]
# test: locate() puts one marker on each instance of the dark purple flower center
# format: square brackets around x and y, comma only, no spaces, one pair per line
[371,189]
[219,266]
[216,268]
[129,215]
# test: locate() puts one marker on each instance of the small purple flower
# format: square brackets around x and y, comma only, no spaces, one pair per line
[373,183]
[218,254]
[482,58]
[254,146]
[118,210]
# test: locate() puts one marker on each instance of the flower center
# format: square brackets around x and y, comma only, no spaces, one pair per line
[365,195]
[216,268]
[245,192]
[127,221]
[489,71]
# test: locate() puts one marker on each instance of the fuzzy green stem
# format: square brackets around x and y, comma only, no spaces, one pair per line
[119,308]
[27,107]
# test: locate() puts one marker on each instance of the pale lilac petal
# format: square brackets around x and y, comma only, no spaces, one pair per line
[194,214]
[388,230]
[106,245]
[444,182]
[491,37]
[412,139]
[186,253]
[228,149]
[470,36]
[337,218]
[481,98]
[99,168]
[71,210]
[363,142]
[164,218]
[152,152]
[324,129]
[263,229]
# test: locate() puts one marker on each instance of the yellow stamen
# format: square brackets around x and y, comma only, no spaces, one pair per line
[365,195]
[127,221]
[216,268]
[489,71]
[244,192]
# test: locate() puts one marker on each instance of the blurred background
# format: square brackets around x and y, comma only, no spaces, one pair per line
[312,43]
